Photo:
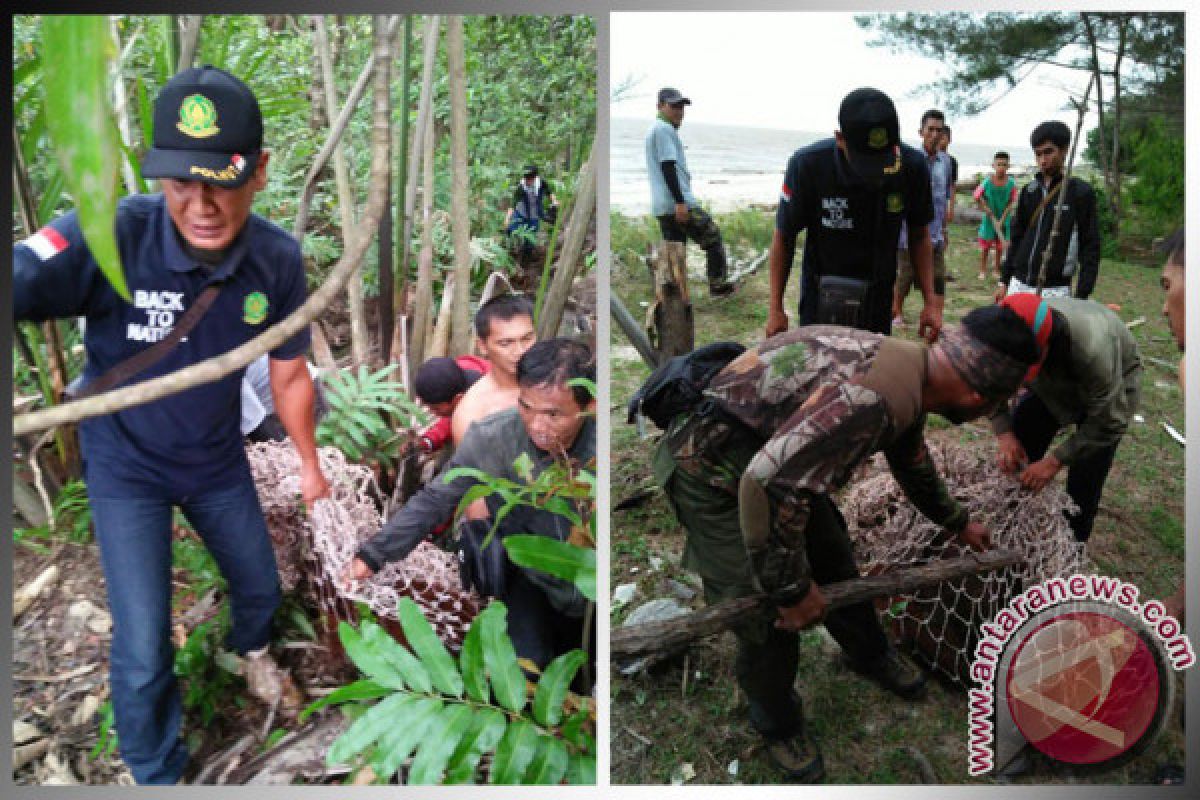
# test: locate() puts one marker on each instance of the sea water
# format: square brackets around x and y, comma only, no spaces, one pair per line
[739,167]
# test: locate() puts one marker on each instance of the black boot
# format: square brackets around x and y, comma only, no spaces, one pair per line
[717,267]
[896,674]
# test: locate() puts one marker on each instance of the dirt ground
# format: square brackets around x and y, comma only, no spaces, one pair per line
[60,671]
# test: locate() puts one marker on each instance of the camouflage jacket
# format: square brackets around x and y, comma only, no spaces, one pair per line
[822,399]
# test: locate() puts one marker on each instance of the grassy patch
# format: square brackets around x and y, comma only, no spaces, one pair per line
[690,711]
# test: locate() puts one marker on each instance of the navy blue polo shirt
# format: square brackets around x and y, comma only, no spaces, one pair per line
[852,227]
[189,441]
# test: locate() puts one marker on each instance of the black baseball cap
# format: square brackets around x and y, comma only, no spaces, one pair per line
[438,380]
[871,129]
[672,97]
[530,169]
[207,127]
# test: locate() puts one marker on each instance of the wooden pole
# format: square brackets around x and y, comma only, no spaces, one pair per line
[671,314]
[674,634]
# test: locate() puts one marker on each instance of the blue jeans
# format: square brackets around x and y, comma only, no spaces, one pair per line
[133,527]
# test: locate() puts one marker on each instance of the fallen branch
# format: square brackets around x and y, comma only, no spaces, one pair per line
[301,753]
[673,634]
[24,597]
[29,752]
[61,678]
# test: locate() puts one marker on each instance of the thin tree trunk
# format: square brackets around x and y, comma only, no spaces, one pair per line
[421,137]
[121,107]
[1114,193]
[189,39]
[399,266]
[460,215]
[571,257]
[336,130]
[426,262]
[216,368]
[441,333]
[359,338]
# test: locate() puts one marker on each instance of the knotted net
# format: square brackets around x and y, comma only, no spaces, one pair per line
[940,625]
[312,552]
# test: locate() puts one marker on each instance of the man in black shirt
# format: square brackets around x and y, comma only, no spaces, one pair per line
[1034,221]
[850,193]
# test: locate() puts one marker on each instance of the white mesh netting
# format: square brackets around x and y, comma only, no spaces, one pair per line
[312,553]
[940,625]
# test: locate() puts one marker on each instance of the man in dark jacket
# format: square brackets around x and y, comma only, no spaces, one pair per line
[1090,376]
[1078,237]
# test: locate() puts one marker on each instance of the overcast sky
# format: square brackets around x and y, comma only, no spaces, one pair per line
[791,70]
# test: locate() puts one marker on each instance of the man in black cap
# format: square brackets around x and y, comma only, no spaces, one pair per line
[1079,230]
[529,207]
[851,192]
[671,200]
[185,450]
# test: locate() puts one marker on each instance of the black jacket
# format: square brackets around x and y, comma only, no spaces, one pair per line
[1029,240]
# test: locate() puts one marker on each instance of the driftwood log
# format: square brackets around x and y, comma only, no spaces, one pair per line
[672,634]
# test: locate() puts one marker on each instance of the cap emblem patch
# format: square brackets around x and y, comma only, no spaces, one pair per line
[197,117]
[877,138]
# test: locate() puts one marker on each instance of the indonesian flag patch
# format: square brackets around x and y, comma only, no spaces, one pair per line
[46,243]
[785,193]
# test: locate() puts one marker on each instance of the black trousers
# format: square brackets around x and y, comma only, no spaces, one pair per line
[1035,427]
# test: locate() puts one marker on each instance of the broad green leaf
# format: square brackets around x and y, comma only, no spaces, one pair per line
[573,730]
[560,559]
[439,744]
[549,763]
[359,690]
[486,729]
[79,122]
[474,669]
[523,465]
[552,687]
[429,648]
[471,495]
[380,718]
[413,722]
[581,769]
[367,657]
[508,682]
[514,752]
[397,655]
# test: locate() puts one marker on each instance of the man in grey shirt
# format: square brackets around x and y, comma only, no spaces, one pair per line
[671,199]
[553,423]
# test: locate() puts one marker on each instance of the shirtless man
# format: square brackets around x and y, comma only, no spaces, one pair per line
[504,331]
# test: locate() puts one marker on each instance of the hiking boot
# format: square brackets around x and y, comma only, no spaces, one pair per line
[896,674]
[270,683]
[720,288]
[798,757]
